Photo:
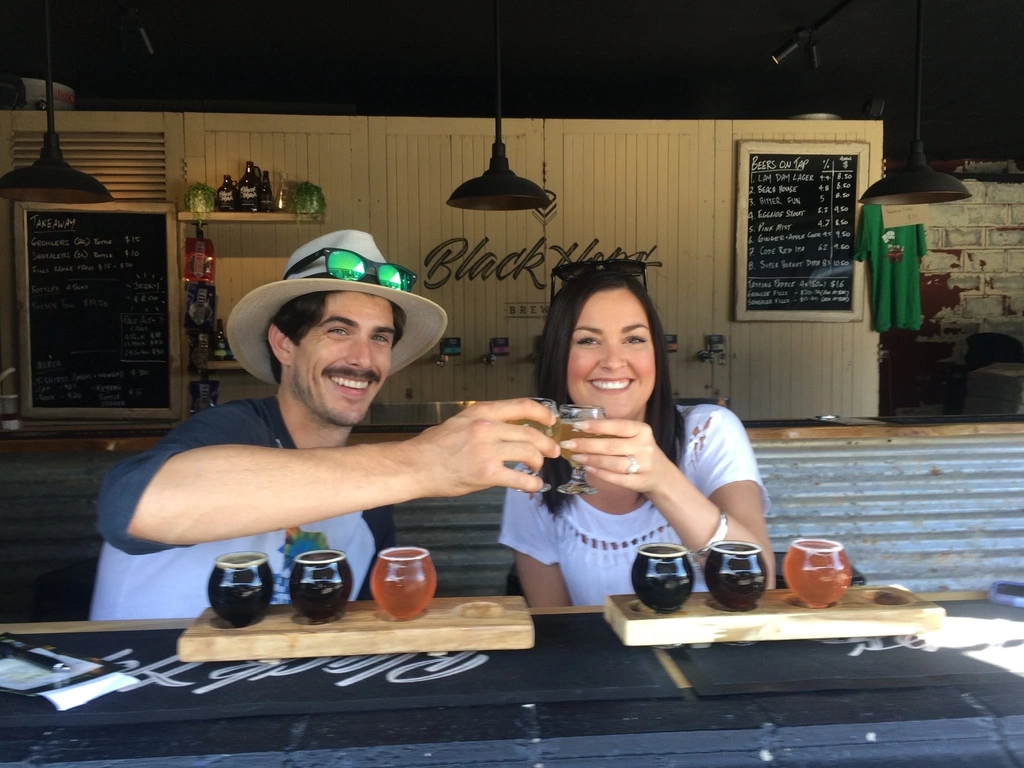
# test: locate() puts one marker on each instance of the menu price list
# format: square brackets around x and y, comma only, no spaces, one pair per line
[800,232]
[98,310]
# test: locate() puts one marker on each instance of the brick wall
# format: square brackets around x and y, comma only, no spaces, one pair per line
[972,281]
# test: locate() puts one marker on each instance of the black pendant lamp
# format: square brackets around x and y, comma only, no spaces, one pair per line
[916,183]
[498,189]
[49,179]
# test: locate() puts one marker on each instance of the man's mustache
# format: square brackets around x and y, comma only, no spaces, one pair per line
[343,372]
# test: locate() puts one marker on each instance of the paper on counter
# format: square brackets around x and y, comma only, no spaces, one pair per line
[18,676]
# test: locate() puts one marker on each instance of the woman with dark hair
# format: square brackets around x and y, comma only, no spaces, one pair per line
[663,473]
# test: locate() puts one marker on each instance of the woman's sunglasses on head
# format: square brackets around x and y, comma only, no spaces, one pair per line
[574,270]
[349,265]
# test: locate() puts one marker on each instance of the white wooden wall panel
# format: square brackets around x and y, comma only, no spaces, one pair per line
[635,185]
[328,151]
[800,369]
[416,166]
[629,184]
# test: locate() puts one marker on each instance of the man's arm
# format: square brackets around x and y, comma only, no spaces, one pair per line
[226,491]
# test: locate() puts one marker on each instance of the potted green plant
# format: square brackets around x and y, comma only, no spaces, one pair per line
[307,200]
[199,200]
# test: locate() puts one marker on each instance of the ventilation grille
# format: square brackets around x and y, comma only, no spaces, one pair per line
[131,165]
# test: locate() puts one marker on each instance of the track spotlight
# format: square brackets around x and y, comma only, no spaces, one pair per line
[785,50]
[805,35]
[813,58]
[872,108]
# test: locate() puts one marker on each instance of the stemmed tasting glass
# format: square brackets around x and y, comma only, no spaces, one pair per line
[569,416]
[544,429]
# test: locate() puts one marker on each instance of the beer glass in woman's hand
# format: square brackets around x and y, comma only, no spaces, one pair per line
[569,416]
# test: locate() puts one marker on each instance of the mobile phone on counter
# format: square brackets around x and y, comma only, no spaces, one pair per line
[14,649]
[1007,593]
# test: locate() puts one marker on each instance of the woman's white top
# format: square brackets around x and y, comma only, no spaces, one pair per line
[594,549]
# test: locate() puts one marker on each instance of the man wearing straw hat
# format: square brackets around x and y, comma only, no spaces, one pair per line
[328,334]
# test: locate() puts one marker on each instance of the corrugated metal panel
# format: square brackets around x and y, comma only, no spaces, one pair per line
[930,513]
[462,536]
[47,519]
[132,166]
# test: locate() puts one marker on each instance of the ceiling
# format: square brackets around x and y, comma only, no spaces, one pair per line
[674,59]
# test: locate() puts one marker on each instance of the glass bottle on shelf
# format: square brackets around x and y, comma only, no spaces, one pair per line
[227,196]
[249,188]
[283,199]
[266,200]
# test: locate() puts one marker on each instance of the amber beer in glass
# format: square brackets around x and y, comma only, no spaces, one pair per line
[544,429]
[403,581]
[817,571]
[566,429]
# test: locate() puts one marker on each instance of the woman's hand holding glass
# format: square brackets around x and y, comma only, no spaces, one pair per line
[570,422]
[626,453]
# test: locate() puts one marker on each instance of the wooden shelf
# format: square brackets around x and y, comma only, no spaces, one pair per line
[251,218]
[224,365]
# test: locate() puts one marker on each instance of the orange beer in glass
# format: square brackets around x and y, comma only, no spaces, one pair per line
[403,581]
[817,571]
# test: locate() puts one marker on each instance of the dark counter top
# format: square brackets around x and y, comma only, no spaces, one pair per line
[579,697]
[134,437]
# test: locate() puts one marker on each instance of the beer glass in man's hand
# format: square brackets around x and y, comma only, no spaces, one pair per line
[544,429]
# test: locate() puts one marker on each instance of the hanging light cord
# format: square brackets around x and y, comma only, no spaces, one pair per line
[497,68]
[50,129]
[919,66]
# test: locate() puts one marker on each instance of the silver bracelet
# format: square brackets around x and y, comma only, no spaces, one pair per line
[717,536]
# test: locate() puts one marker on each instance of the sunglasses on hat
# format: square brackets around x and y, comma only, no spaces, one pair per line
[349,265]
[574,270]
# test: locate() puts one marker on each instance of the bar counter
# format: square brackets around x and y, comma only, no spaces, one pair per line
[578,698]
[59,437]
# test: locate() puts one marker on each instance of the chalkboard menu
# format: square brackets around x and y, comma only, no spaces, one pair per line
[795,231]
[99,310]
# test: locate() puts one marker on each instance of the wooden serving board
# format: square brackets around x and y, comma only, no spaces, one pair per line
[448,624]
[861,612]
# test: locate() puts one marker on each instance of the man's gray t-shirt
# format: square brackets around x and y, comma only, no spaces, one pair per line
[140,579]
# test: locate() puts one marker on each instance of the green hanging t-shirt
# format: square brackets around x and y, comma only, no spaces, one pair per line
[895,282]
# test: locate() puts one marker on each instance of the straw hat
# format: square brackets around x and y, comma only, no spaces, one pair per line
[250,319]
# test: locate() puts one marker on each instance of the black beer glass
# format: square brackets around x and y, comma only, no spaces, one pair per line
[320,584]
[662,576]
[240,587]
[735,575]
